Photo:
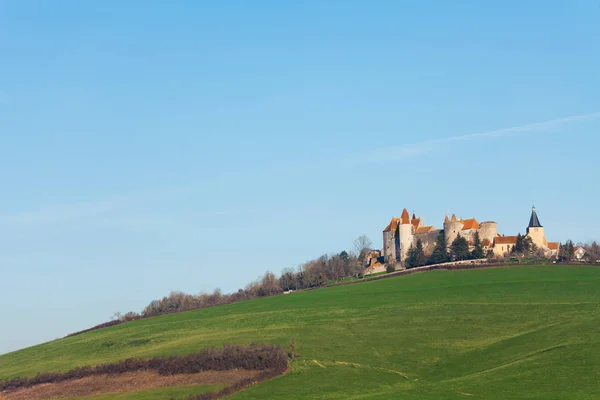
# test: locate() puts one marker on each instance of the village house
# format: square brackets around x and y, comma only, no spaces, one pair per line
[579,253]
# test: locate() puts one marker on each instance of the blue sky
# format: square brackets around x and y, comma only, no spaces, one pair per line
[150,146]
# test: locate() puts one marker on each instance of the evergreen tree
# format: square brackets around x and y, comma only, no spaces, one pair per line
[411,257]
[420,253]
[570,249]
[478,250]
[344,255]
[440,252]
[460,248]
[566,251]
[416,255]
[524,245]
[518,247]
[528,246]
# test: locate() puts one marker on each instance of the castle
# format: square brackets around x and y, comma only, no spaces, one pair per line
[403,232]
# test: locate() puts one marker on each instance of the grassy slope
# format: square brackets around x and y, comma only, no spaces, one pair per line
[519,332]
[180,392]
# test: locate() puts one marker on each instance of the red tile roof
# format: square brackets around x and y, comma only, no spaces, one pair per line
[506,240]
[393,225]
[424,229]
[553,245]
[470,224]
[416,222]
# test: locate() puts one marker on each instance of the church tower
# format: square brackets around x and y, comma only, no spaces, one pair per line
[535,230]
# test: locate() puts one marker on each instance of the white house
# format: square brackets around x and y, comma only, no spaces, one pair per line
[579,253]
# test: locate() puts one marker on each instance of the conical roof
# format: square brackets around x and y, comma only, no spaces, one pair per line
[405,219]
[534,221]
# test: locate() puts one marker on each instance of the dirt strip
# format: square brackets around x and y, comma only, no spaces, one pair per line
[127,382]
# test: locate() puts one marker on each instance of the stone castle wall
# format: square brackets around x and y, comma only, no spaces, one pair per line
[389,249]
[428,240]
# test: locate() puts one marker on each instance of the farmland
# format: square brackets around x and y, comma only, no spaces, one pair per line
[516,332]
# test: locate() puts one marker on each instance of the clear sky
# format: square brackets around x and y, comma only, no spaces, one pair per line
[151,146]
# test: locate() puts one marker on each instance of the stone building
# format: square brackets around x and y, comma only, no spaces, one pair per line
[401,233]
[404,231]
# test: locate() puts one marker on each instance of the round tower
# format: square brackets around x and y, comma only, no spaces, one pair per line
[406,235]
[452,228]
[488,230]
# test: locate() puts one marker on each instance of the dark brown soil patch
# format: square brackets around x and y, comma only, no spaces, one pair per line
[127,382]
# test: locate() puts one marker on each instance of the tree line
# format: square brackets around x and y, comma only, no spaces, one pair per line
[314,273]
[326,269]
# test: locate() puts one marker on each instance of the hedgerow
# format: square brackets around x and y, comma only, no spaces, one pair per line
[271,360]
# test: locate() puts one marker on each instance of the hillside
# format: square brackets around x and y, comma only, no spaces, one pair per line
[518,332]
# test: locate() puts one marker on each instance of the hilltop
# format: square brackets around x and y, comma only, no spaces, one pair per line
[516,332]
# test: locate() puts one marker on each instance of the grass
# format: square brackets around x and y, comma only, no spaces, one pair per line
[178,393]
[354,278]
[526,332]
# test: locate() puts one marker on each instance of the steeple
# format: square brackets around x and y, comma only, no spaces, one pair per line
[534,221]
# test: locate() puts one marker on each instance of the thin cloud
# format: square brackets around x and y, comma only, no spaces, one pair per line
[396,153]
[117,212]
[60,213]
[94,209]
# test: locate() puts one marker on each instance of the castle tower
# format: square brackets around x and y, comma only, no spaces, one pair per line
[452,228]
[406,235]
[535,230]
[391,242]
[488,230]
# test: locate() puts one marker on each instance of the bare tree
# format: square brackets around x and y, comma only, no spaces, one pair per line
[593,252]
[116,316]
[288,279]
[362,245]
[269,285]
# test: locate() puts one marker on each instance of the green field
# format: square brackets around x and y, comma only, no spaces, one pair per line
[164,393]
[502,333]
